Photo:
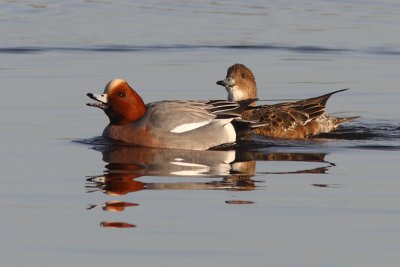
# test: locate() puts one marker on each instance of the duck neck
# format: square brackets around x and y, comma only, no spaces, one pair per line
[236,94]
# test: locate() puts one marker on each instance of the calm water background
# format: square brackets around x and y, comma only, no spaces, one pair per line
[54,52]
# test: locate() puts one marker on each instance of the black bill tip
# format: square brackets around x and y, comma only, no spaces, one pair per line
[90,95]
[222,83]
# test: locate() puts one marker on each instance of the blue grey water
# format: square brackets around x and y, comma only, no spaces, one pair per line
[68,199]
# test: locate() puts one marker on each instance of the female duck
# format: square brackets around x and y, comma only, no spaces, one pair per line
[297,119]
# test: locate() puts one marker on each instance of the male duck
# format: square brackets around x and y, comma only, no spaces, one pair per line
[196,125]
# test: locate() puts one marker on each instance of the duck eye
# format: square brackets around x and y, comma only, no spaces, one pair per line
[243,76]
[121,94]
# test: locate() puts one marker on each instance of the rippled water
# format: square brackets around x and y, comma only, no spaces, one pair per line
[70,197]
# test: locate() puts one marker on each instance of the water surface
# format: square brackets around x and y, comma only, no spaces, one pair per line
[329,201]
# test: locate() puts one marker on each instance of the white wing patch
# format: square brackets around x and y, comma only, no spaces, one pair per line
[189,126]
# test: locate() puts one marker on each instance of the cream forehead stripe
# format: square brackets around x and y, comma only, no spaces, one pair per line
[114,83]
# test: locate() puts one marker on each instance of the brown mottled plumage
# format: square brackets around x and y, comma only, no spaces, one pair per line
[297,119]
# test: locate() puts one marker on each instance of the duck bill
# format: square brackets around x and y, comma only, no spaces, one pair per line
[101,101]
[221,82]
[226,82]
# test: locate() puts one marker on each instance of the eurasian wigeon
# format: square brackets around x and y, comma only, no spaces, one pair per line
[195,125]
[297,119]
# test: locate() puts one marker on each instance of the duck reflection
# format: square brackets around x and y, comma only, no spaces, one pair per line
[127,163]
[229,170]
[114,206]
[235,167]
[106,224]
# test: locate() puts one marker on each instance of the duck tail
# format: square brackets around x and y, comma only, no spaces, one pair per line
[321,100]
[345,119]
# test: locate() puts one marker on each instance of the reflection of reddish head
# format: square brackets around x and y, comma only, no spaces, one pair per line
[117,225]
[121,184]
[117,206]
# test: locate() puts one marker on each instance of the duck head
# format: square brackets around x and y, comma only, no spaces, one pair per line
[239,83]
[120,102]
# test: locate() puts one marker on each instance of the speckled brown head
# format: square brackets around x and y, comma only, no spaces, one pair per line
[239,83]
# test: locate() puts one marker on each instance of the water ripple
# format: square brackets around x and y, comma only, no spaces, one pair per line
[366,131]
[364,135]
[152,48]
